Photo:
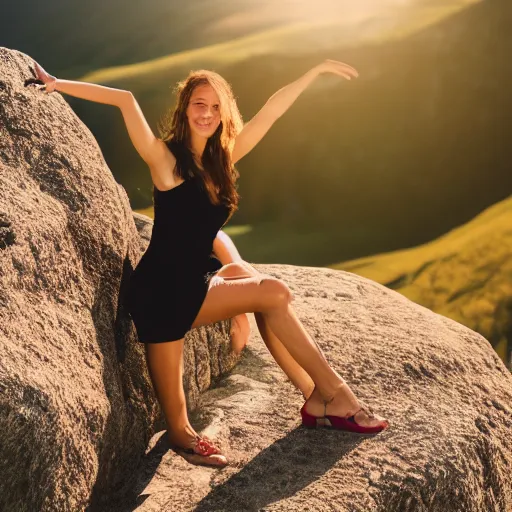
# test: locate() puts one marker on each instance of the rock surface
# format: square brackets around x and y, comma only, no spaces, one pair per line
[77,408]
[445,391]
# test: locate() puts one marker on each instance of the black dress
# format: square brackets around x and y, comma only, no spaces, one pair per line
[169,284]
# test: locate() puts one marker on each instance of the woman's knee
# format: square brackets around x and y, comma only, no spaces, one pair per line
[276,293]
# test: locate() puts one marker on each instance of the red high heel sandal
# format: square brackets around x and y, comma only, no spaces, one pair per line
[204,448]
[342,423]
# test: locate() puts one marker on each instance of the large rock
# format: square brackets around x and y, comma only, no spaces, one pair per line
[445,391]
[77,405]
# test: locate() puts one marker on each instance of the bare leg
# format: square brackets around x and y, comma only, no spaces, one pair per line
[165,365]
[297,375]
[240,332]
[271,297]
[235,268]
[287,327]
[288,364]
[329,385]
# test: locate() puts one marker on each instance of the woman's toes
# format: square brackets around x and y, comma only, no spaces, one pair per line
[218,459]
[205,460]
[362,418]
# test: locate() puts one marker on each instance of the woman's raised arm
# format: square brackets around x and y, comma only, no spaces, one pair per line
[280,102]
[151,149]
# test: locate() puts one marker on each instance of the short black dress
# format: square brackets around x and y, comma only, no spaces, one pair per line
[168,286]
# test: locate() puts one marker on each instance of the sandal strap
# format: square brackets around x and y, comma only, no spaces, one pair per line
[363,407]
[205,446]
[325,405]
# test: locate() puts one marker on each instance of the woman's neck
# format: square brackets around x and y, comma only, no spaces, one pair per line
[197,146]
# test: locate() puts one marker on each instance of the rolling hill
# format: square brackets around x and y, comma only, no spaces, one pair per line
[465,275]
[411,149]
[73,38]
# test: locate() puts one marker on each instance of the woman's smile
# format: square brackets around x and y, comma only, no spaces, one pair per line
[204,124]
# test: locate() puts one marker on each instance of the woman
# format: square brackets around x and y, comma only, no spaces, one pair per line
[178,286]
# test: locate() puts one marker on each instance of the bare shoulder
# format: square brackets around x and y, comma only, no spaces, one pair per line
[162,167]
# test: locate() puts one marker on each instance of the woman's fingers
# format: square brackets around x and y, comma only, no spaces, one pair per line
[345,66]
[41,87]
[39,71]
[345,75]
[42,74]
[340,68]
[348,70]
[341,73]
[46,78]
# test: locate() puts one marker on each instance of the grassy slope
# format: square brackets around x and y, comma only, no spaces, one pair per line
[465,274]
[434,274]
[290,39]
[415,89]
[73,38]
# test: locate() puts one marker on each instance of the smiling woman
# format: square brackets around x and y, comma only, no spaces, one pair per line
[178,286]
[199,109]
[200,133]
[203,113]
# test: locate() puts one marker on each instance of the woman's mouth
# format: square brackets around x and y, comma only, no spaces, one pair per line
[203,125]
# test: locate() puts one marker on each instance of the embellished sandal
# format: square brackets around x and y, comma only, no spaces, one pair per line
[204,453]
[347,424]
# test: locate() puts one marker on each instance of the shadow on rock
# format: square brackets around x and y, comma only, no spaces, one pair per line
[281,470]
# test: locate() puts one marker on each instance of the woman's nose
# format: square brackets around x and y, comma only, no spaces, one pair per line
[208,111]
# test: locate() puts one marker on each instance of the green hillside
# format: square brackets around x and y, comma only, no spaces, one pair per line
[409,150]
[73,38]
[465,275]
[296,38]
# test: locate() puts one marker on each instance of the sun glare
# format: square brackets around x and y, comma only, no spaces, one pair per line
[320,10]
[283,12]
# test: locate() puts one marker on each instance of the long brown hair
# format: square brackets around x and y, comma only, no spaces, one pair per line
[220,174]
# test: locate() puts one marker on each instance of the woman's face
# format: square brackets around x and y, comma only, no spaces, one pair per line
[203,111]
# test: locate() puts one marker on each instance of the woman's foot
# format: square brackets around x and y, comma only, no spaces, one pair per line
[196,449]
[343,404]
[240,332]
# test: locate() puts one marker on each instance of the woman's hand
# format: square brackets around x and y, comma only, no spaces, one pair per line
[339,68]
[49,81]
